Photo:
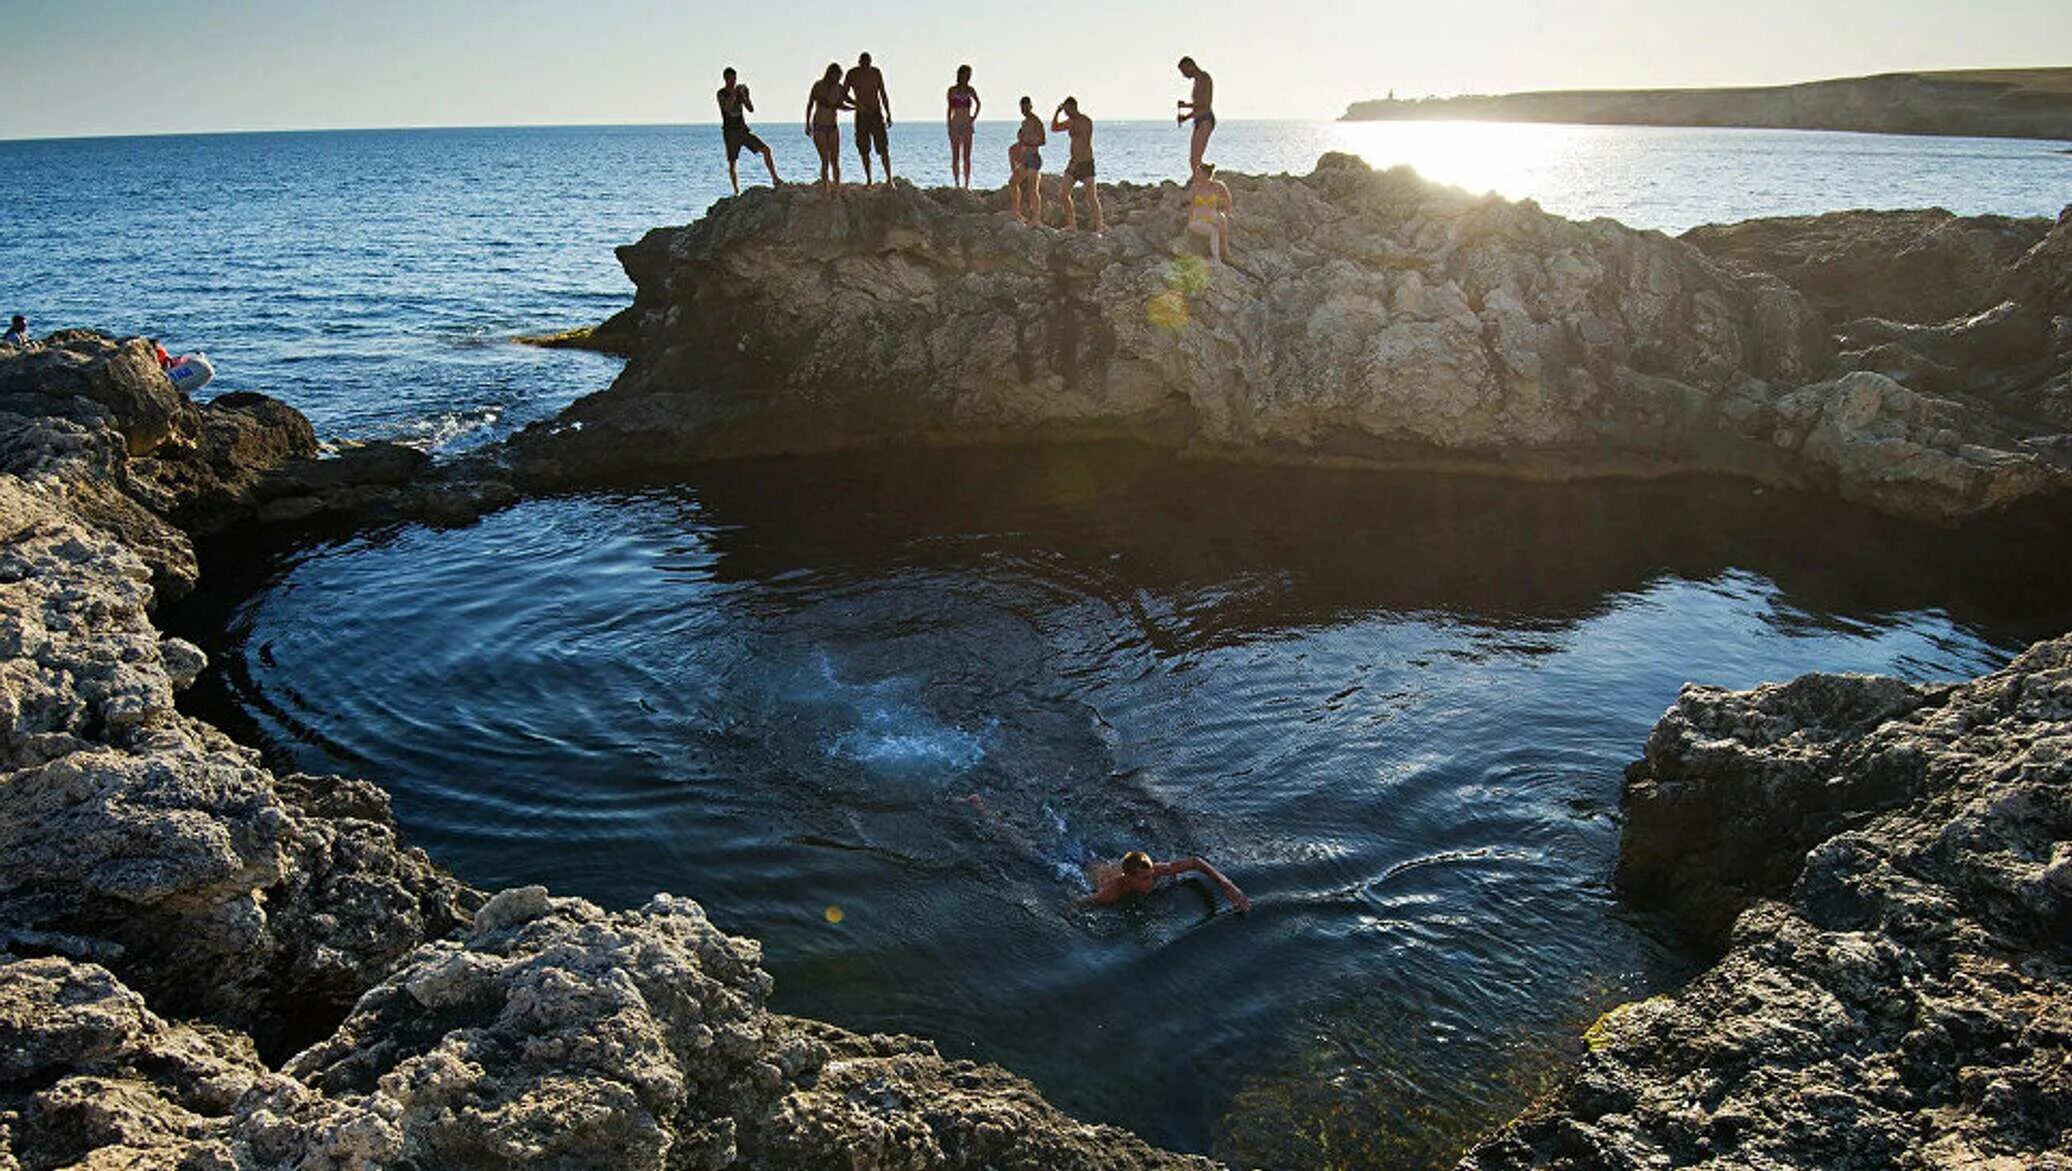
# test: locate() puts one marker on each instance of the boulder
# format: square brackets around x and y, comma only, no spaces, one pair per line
[122,377]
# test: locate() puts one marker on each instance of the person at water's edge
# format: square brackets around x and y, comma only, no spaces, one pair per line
[866,88]
[17,333]
[1200,106]
[734,107]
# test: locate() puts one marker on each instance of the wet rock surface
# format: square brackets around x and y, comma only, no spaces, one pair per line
[208,965]
[1368,318]
[1896,865]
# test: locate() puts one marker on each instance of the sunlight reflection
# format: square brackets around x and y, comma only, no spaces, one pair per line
[1512,159]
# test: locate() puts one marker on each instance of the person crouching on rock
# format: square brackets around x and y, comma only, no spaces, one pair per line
[165,360]
[17,334]
[734,108]
[1136,875]
[824,106]
[1026,156]
[1080,171]
[1209,208]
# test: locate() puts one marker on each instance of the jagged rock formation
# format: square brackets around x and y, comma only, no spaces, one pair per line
[1373,318]
[175,918]
[1974,310]
[1896,987]
[1987,103]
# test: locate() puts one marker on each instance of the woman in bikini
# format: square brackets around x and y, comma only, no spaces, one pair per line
[963,113]
[823,109]
[1026,156]
[1209,208]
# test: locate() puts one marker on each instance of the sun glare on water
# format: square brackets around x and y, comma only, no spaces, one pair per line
[1513,159]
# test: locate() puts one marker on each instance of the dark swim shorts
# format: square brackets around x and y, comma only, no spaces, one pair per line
[1206,118]
[1032,159]
[1083,169]
[870,132]
[738,136]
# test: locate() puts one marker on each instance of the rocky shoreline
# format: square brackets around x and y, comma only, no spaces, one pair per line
[1373,319]
[205,964]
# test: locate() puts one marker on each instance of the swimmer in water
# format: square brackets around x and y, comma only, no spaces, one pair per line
[1114,882]
[1137,874]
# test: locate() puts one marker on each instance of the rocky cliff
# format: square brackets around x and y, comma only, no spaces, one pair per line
[1886,870]
[1370,318]
[1986,103]
[205,964]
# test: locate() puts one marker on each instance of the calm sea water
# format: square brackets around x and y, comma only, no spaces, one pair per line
[1394,708]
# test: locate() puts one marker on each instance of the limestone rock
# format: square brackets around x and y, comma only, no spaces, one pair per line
[1896,992]
[1368,318]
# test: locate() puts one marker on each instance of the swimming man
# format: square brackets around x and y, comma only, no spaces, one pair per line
[1201,107]
[734,107]
[866,86]
[1079,172]
[1137,875]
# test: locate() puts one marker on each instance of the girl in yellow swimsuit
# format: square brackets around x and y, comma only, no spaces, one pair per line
[1209,208]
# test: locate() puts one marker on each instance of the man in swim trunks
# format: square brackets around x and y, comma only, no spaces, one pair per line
[866,86]
[1026,157]
[1201,108]
[1080,171]
[734,108]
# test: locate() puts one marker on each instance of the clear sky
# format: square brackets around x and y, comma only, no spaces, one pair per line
[147,66]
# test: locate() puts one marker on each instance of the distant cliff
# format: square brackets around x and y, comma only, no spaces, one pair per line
[2004,103]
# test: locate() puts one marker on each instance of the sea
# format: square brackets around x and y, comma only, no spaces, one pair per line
[879,712]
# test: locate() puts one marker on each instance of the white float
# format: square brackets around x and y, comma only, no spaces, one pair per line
[190,372]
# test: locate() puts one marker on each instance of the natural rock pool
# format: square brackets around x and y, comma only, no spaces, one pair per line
[1394,708]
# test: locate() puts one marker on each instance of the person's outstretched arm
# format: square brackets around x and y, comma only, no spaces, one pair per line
[1230,891]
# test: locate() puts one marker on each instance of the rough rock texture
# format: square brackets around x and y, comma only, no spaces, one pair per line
[174,917]
[1918,267]
[1372,318]
[1894,992]
[1975,310]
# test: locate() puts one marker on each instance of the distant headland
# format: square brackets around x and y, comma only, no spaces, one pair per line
[1984,103]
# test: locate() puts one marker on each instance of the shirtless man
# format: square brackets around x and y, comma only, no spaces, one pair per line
[1201,107]
[1026,157]
[1137,874]
[866,86]
[1079,172]
[734,108]
[1114,882]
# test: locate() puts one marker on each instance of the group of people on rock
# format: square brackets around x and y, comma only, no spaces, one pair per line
[862,90]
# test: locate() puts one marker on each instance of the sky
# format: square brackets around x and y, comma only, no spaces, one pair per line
[80,67]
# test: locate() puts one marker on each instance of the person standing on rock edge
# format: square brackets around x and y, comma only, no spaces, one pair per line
[866,87]
[17,334]
[734,108]
[1080,170]
[1201,107]
[962,119]
[1025,184]
[824,106]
